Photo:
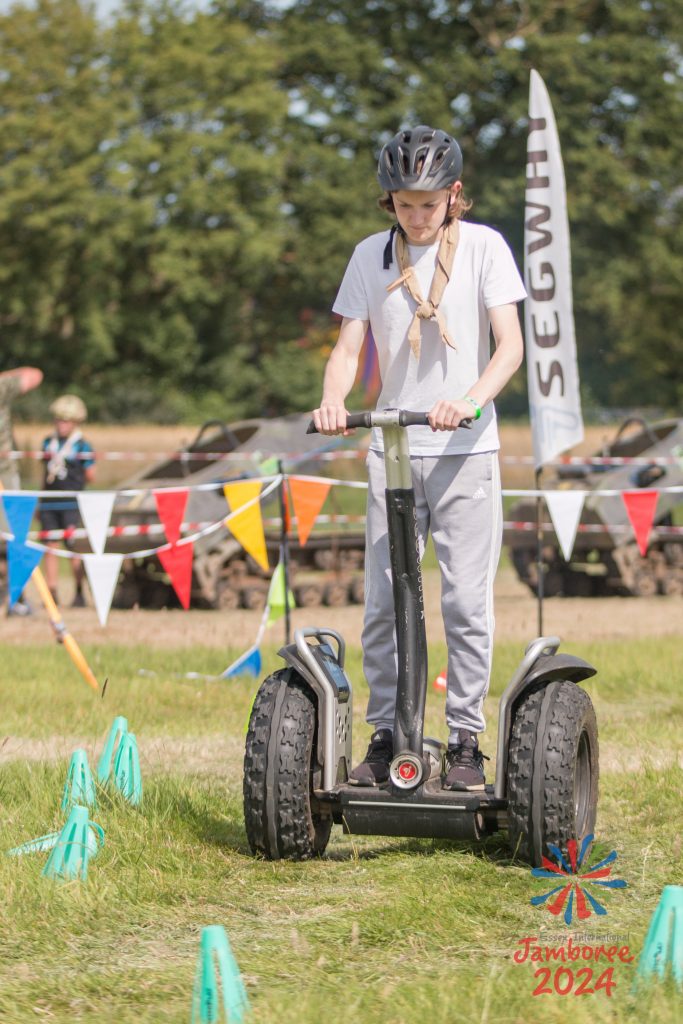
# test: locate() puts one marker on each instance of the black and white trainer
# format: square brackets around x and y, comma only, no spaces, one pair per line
[374,769]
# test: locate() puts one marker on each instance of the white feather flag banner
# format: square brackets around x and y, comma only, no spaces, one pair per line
[553,377]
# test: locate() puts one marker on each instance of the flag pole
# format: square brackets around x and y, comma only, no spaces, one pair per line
[539,551]
[284,544]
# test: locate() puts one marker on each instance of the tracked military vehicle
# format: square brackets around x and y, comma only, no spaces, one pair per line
[327,570]
[606,559]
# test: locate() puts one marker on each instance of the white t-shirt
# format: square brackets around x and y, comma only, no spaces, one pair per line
[484,275]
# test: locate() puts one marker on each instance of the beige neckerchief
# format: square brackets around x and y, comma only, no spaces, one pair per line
[428,310]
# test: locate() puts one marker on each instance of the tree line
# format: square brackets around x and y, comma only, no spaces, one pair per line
[181,187]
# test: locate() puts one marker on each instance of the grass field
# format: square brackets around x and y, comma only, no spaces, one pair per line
[380,930]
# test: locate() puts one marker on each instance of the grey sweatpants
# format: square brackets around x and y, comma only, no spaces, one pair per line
[458,500]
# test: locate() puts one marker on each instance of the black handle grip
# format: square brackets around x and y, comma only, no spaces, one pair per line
[405,419]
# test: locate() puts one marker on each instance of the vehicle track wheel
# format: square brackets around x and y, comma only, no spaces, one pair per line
[281,818]
[552,770]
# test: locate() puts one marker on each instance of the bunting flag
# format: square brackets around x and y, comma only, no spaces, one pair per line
[275,601]
[103,575]
[308,497]
[95,508]
[249,664]
[21,561]
[171,507]
[177,562]
[269,466]
[640,509]
[19,509]
[247,526]
[565,509]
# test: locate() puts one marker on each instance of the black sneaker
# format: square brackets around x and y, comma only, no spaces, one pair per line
[78,601]
[374,770]
[464,763]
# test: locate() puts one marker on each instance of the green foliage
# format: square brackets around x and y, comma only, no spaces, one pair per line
[181,188]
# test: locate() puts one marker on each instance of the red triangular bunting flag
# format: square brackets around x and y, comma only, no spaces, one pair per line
[308,497]
[177,562]
[640,509]
[171,509]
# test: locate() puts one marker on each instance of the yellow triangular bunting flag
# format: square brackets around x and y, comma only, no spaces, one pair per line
[247,526]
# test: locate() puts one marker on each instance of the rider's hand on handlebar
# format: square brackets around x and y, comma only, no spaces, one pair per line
[445,415]
[330,419]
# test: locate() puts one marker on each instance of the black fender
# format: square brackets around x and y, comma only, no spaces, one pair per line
[541,665]
[291,656]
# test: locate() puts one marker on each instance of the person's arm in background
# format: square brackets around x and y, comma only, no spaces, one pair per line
[29,377]
[340,374]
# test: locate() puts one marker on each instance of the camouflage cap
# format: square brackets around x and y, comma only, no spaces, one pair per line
[69,407]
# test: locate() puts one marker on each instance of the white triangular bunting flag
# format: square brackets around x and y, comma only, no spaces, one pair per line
[565,509]
[95,508]
[103,574]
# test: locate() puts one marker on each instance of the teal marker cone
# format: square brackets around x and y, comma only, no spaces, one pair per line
[219,995]
[118,731]
[663,948]
[39,845]
[127,776]
[49,841]
[74,847]
[79,787]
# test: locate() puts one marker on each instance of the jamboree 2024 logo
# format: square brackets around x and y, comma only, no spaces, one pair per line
[574,900]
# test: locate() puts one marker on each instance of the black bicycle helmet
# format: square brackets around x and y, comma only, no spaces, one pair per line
[419,159]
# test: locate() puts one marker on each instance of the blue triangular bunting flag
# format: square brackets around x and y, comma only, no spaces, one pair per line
[249,664]
[19,509]
[21,561]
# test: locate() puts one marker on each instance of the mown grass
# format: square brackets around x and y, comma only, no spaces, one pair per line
[381,930]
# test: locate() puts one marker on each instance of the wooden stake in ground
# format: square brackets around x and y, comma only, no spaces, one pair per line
[62,634]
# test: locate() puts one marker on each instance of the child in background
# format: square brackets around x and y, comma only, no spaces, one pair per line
[69,466]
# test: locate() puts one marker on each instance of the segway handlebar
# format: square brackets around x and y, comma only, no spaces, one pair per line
[385,418]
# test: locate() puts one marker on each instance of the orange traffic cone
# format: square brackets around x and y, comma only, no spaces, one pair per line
[440,681]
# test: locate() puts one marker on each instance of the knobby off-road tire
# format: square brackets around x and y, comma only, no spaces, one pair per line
[281,820]
[552,770]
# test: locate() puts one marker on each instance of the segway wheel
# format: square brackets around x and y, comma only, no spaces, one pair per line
[552,770]
[280,815]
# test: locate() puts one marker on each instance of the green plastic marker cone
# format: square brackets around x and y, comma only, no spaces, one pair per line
[127,776]
[664,940]
[48,842]
[72,851]
[219,994]
[118,731]
[79,787]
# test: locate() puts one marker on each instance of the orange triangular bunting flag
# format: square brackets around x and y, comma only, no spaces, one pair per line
[171,509]
[177,562]
[308,497]
[247,526]
[640,508]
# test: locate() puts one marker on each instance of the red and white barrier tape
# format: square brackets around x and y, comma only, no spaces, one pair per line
[176,456]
